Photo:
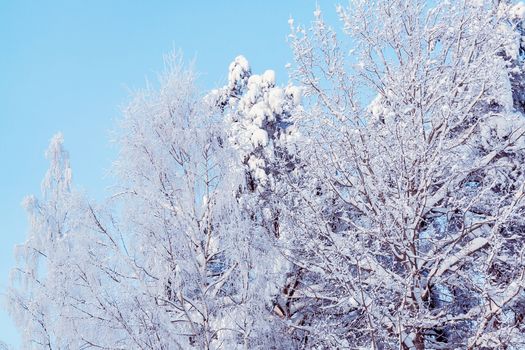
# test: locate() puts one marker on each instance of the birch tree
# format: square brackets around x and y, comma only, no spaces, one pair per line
[376,202]
[40,280]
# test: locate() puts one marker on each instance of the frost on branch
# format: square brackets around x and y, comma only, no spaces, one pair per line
[387,212]
[415,223]
[43,276]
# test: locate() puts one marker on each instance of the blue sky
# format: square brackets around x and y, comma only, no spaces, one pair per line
[70,65]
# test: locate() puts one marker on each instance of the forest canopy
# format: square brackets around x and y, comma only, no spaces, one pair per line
[375,201]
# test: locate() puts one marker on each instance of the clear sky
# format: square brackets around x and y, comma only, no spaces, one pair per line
[69,65]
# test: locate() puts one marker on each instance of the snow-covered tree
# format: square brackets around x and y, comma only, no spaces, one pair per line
[260,121]
[40,279]
[258,116]
[378,203]
[426,181]
[199,253]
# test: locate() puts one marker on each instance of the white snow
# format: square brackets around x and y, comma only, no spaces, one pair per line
[295,92]
[237,69]
[269,77]
[259,112]
[260,175]
[474,245]
[276,99]
[517,11]
[255,163]
[259,137]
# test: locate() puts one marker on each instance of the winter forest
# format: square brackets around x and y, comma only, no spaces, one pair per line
[376,201]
